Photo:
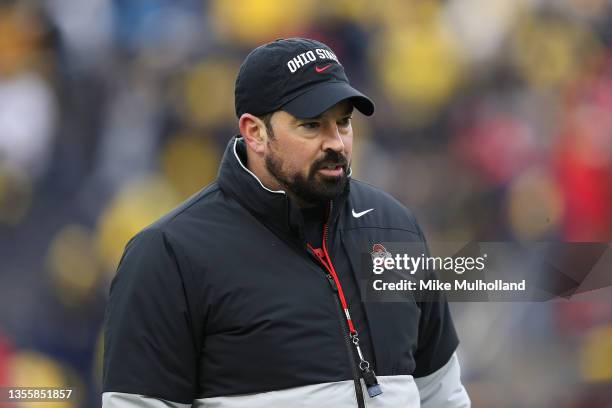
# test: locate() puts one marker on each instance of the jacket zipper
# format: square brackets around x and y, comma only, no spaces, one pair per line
[343,325]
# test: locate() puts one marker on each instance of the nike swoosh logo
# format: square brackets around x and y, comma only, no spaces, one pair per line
[319,70]
[360,214]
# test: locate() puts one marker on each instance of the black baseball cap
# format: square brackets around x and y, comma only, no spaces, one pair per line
[298,75]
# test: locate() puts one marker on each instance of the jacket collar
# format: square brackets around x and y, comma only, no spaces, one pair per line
[274,208]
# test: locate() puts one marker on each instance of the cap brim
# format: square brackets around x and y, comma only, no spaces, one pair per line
[323,96]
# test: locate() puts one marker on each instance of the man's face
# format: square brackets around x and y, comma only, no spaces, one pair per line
[310,158]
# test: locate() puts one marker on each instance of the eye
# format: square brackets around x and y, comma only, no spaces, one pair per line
[345,121]
[310,125]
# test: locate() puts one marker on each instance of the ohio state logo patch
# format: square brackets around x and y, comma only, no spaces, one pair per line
[379,251]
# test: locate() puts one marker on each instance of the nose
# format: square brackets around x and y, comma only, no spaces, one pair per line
[333,138]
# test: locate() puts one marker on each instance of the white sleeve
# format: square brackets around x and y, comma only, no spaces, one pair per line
[125,400]
[443,388]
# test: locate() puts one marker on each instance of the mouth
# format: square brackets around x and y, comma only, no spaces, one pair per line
[332,170]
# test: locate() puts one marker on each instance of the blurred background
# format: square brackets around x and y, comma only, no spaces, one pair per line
[493,123]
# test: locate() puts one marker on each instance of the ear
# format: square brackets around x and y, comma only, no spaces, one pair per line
[253,130]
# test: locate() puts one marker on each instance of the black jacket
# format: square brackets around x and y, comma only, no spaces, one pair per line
[221,297]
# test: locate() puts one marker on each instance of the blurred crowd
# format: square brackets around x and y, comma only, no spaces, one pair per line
[493,123]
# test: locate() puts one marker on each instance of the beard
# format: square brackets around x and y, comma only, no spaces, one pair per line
[315,188]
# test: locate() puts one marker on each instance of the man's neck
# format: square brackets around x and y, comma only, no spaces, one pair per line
[258,168]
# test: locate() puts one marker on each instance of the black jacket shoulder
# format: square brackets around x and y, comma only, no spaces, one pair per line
[201,205]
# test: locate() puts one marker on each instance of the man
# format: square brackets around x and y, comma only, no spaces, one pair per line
[247,294]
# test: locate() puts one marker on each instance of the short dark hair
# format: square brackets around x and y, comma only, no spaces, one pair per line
[267,120]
